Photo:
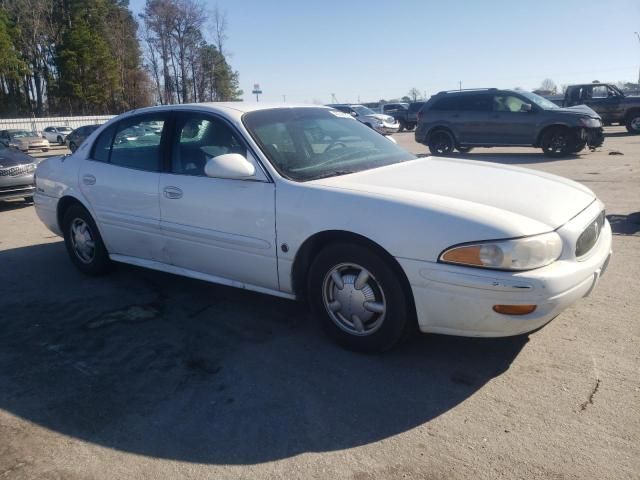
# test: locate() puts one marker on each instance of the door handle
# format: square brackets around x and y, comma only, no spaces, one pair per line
[88,179]
[172,193]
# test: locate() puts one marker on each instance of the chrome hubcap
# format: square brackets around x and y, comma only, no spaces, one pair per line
[353,299]
[635,123]
[83,243]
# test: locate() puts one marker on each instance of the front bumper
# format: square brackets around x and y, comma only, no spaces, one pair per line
[459,300]
[387,128]
[16,187]
[593,136]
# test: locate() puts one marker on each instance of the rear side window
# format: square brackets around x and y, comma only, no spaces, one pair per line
[136,143]
[102,145]
[468,103]
[453,103]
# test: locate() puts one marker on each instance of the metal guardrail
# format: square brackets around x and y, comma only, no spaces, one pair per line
[39,124]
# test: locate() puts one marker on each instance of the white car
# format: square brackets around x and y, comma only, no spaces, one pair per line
[306,202]
[384,124]
[56,134]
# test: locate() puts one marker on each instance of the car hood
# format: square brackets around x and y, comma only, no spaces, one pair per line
[578,110]
[31,138]
[535,202]
[11,158]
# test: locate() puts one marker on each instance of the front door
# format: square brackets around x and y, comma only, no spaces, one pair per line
[120,181]
[219,227]
[511,123]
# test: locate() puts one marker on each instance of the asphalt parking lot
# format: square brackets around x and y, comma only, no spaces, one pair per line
[146,375]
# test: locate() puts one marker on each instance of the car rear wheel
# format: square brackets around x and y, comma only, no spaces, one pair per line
[72,147]
[441,142]
[83,242]
[410,126]
[633,123]
[358,298]
[558,142]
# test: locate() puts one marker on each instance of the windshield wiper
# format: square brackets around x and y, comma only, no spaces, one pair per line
[333,173]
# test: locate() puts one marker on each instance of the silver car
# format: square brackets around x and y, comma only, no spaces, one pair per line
[24,140]
[384,124]
[16,174]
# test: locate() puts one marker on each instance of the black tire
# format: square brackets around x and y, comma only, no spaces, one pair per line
[403,126]
[45,149]
[579,146]
[410,126]
[387,328]
[557,142]
[72,147]
[441,142]
[633,123]
[28,199]
[60,140]
[464,149]
[98,262]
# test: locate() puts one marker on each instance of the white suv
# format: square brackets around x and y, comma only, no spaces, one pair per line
[56,134]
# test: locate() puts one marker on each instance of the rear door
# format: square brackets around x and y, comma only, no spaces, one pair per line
[120,181]
[469,117]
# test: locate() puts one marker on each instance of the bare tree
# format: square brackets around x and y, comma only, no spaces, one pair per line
[414,94]
[548,85]
[220,25]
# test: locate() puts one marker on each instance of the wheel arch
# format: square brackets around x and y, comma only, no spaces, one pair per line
[315,243]
[64,203]
[437,128]
[546,128]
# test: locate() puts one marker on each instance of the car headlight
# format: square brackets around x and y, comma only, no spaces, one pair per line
[589,122]
[525,253]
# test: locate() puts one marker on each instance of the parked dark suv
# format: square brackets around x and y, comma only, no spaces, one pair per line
[490,117]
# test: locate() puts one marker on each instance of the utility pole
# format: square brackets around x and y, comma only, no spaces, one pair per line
[284,99]
[333,98]
[638,35]
[460,84]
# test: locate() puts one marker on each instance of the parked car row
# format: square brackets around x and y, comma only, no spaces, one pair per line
[384,124]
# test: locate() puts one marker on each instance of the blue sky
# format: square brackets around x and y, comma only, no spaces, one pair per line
[370,49]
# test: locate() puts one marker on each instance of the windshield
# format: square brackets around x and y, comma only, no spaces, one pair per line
[22,133]
[64,129]
[540,101]
[360,110]
[309,143]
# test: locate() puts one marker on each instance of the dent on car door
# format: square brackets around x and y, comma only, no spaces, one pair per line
[216,226]
[120,181]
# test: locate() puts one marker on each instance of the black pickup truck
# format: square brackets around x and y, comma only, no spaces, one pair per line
[405,113]
[607,100]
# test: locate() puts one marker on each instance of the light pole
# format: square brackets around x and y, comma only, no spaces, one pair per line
[638,35]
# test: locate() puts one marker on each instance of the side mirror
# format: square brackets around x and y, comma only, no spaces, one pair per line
[525,107]
[230,165]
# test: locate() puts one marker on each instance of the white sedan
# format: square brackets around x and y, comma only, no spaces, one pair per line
[306,202]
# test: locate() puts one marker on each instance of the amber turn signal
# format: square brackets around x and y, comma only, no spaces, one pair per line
[514,309]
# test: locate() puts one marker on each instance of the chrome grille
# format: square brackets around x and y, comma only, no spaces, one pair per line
[590,235]
[17,170]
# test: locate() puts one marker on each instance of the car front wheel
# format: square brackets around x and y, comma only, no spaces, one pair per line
[358,298]
[84,243]
[558,142]
[72,147]
[60,141]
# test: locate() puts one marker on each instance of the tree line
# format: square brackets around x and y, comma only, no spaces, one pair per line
[81,57]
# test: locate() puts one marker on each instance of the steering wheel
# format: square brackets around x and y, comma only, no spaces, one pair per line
[334,145]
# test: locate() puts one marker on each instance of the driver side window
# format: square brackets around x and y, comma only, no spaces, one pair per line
[199,137]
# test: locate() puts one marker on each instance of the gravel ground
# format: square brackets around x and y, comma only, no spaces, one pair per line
[150,376]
